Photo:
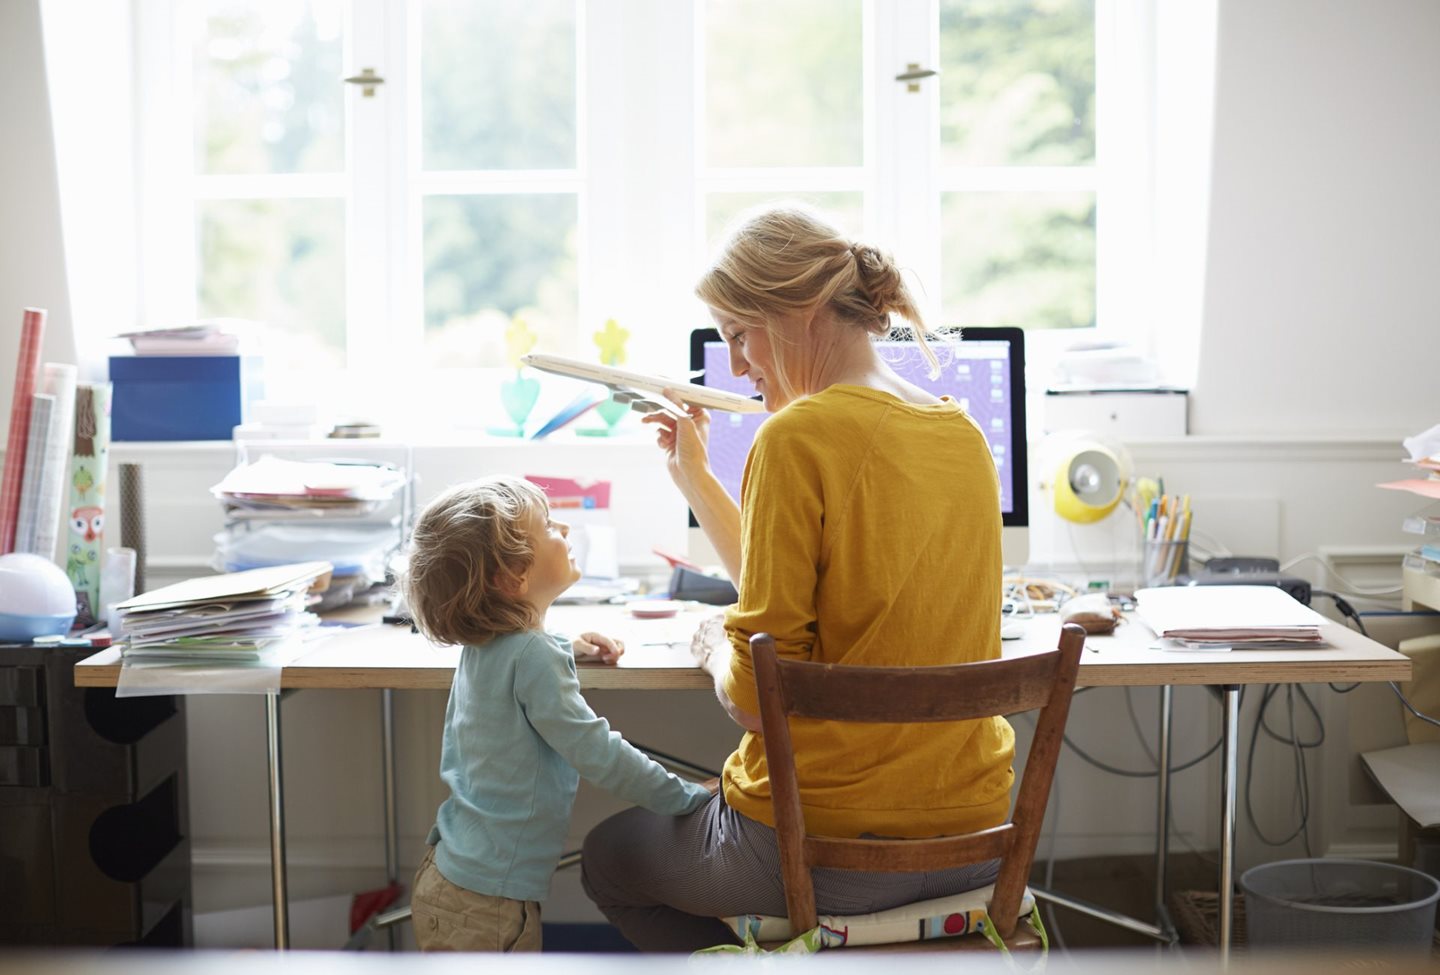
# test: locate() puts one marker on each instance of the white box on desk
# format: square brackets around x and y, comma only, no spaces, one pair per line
[1159,412]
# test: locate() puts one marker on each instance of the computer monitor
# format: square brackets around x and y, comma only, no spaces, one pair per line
[984,372]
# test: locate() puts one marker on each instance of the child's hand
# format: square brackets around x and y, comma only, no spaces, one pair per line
[709,637]
[597,646]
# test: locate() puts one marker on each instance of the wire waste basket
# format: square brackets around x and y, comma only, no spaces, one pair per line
[1350,904]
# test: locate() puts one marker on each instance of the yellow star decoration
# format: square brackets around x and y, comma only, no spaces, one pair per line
[611,340]
[518,340]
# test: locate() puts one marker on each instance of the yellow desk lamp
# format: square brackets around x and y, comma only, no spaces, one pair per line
[1089,482]
[1092,477]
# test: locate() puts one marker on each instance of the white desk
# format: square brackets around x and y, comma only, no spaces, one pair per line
[392,658]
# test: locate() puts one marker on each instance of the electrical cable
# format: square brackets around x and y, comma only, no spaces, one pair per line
[1141,774]
[1302,779]
[1410,707]
[1075,549]
[1155,759]
[1214,548]
[1349,613]
[1352,588]
[1289,694]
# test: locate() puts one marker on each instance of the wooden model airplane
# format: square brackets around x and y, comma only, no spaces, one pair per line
[644,393]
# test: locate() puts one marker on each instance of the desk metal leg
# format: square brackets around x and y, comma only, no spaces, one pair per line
[1230,701]
[392,833]
[1162,930]
[277,822]
[1162,826]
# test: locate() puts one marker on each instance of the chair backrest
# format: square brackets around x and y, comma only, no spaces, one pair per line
[956,692]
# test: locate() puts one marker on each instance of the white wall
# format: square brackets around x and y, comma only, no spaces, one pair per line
[1321,312]
[32,261]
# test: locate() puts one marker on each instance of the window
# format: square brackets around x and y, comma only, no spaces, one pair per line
[568,162]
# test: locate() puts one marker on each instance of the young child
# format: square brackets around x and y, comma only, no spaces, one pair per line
[486,563]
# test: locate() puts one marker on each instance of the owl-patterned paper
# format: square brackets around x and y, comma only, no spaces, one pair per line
[85,538]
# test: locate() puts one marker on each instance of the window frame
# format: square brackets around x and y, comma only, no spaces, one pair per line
[637,256]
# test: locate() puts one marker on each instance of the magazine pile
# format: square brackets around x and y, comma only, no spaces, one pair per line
[1222,617]
[238,617]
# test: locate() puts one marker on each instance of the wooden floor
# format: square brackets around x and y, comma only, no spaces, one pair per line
[1121,883]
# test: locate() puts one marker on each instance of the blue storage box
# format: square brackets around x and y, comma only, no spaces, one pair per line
[181,397]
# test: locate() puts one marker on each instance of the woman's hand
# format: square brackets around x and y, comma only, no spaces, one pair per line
[597,646]
[686,442]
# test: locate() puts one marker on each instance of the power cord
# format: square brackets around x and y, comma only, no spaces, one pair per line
[1348,611]
[1142,773]
[1352,588]
[1154,758]
[1302,778]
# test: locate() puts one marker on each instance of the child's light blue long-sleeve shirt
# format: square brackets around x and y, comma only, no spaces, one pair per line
[518,736]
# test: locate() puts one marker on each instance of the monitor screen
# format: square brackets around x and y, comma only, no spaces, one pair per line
[984,373]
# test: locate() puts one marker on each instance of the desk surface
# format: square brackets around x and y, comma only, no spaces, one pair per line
[657,657]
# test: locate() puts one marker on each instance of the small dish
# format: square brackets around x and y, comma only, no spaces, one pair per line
[654,609]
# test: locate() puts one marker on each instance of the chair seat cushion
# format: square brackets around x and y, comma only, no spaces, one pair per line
[941,917]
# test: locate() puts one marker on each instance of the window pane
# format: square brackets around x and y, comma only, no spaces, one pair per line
[1017,82]
[269,98]
[783,83]
[498,84]
[845,210]
[1018,259]
[280,262]
[488,258]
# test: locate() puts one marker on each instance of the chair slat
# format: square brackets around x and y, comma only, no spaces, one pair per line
[955,692]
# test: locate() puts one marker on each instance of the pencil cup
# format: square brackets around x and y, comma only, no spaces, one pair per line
[1163,562]
[117,580]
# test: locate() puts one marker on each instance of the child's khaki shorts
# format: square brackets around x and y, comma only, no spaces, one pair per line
[451,918]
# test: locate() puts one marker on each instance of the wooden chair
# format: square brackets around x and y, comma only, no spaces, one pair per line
[907,694]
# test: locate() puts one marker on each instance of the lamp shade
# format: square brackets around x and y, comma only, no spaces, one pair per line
[1089,483]
[36,598]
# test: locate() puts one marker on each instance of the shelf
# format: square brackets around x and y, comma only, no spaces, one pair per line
[1420,591]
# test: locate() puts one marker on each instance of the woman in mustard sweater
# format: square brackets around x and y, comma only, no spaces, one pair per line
[868,533]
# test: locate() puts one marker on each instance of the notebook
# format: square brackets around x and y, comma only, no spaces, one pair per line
[1240,616]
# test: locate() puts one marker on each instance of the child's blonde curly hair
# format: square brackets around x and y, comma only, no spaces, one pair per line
[468,551]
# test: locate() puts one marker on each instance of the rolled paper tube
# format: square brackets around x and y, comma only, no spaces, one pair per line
[88,461]
[32,335]
[42,405]
[132,520]
[59,381]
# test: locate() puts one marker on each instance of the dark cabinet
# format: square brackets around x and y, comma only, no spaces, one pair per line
[94,826]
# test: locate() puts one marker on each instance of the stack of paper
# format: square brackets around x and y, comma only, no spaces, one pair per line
[1424,450]
[306,488]
[205,338]
[238,616]
[1229,616]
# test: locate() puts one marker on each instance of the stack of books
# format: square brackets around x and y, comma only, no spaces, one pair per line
[237,617]
[1222,617]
